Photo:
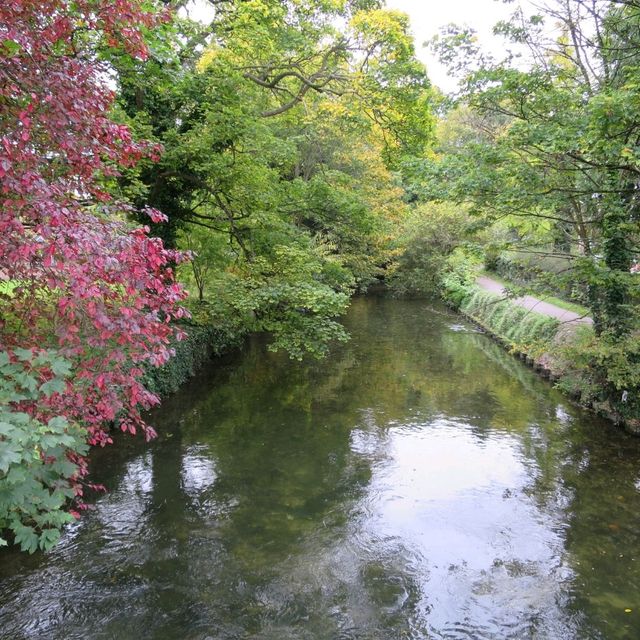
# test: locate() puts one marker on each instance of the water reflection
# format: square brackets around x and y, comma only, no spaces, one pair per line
[420,483]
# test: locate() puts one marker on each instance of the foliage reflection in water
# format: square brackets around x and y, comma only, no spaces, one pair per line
[419,483]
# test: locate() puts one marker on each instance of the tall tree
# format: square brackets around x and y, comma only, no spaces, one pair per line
[258,133]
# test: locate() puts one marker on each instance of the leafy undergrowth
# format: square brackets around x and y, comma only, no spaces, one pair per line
[41,451]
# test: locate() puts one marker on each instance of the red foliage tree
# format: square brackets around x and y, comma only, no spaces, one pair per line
[77,277]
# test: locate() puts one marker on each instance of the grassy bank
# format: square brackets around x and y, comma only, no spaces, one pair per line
[526,331]
[559,351]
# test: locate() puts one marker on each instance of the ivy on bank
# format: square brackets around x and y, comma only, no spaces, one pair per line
[201,343]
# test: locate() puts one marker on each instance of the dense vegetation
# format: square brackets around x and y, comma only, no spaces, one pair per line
[543,152]
[273,159]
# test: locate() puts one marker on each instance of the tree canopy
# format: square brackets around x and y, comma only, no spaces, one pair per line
[542,147]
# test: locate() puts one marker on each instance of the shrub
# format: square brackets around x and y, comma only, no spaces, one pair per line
[429,237]
[40,452]
[458,276]
[202,341]
[604,371]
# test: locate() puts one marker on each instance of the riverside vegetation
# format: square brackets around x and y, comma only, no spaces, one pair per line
[273,160]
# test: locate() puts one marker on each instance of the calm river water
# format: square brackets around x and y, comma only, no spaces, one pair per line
[419,483]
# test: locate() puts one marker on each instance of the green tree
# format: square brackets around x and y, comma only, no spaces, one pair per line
[558,163]
[283,133]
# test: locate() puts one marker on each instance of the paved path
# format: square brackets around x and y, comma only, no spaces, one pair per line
[534,304]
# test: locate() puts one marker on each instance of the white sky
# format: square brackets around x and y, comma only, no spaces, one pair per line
[428,16]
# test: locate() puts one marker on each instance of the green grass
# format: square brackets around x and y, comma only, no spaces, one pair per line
[558,302]
[568,306]
[522,328]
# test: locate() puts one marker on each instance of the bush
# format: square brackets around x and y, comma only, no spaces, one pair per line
[604,372]
[39,452]
[430,235]
[457,278]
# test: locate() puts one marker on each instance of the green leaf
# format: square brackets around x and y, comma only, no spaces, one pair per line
[52,386]
[61,367]
[58,424]
[8,457]
[6,428]
[49,441]
[48,538]
[9,48]
[26,381]
[26,537]
[25,355]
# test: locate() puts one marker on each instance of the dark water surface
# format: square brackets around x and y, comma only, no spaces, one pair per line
[419,483]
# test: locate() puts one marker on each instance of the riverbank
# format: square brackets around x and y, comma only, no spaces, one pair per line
[543,335]
[524,332]
[547,338]
[201,343]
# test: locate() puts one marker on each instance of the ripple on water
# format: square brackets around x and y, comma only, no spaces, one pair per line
[479,543]
[419,483]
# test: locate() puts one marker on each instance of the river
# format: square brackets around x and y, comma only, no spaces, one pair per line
[418,483]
